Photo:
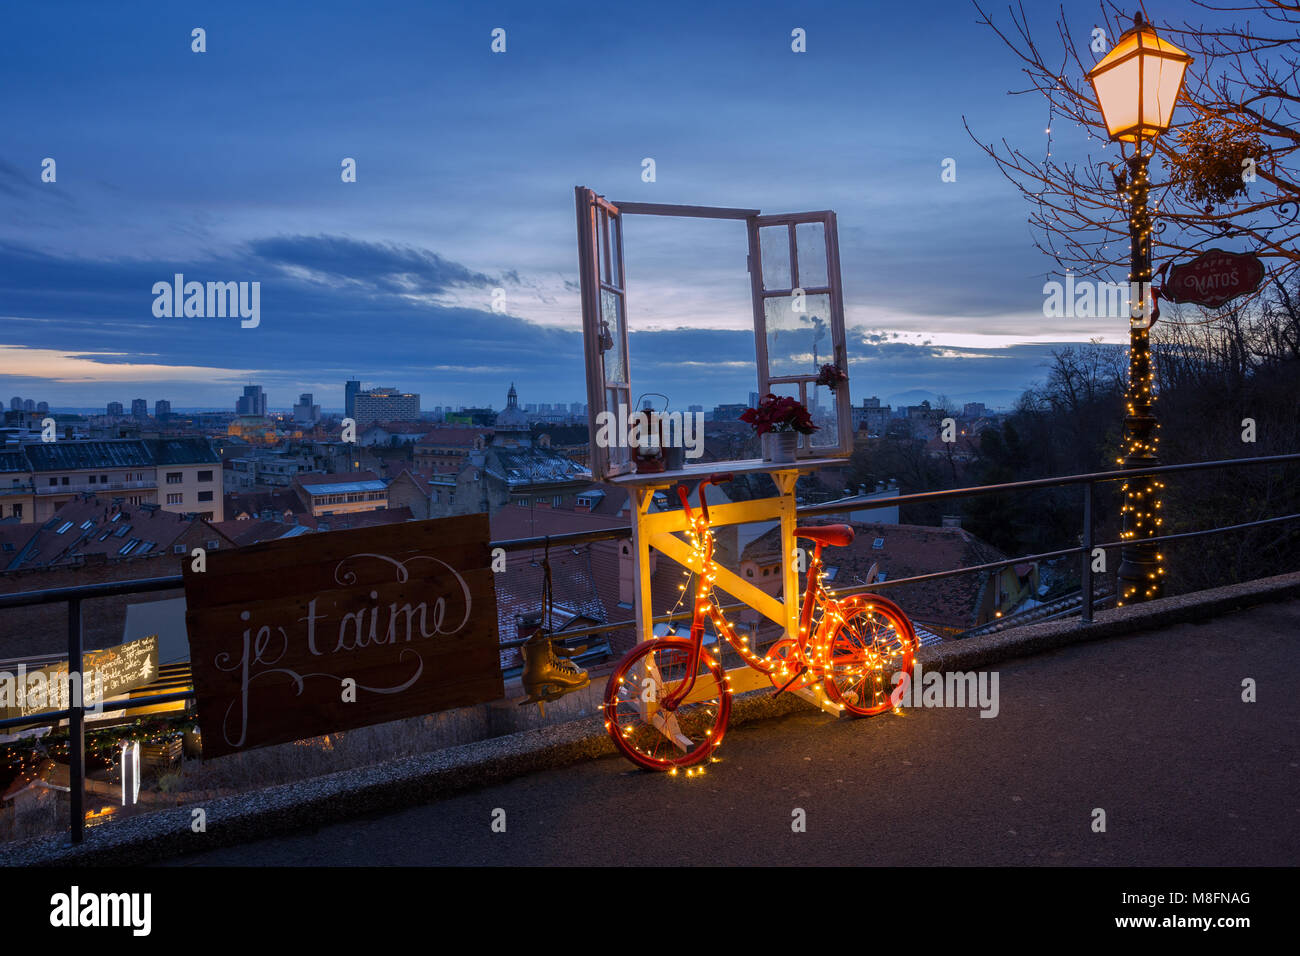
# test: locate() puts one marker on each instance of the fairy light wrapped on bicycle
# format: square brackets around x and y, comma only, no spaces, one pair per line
[668,702]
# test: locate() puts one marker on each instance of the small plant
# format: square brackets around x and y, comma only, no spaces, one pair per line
[1206,168]
[779,414]
[831,375]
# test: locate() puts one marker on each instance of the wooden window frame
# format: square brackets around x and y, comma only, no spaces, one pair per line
[598,241]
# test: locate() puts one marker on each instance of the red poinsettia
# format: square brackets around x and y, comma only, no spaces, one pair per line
[779,414]
[831,375]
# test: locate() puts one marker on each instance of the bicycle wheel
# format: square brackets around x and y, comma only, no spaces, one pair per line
[650,736]
[873,641]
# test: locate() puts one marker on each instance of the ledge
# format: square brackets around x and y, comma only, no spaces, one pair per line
[419,779]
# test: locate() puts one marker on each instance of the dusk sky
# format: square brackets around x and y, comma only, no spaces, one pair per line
[225,166]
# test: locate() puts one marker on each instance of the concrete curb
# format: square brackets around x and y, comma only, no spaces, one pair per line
[410,781]
[309,804]
[1117,622]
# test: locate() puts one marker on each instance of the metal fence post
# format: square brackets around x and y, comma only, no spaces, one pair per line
[76,725]
[1085,616]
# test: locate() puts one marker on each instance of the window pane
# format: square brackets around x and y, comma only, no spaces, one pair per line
[823,411]
[614,245]
[798,342]
[810,238]
[611,333]
[774,248]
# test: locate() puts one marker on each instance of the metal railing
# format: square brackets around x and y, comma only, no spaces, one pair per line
[74,596]
[84,488]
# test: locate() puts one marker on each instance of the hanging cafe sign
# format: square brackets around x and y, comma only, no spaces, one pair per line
[310,635]
[1213,278]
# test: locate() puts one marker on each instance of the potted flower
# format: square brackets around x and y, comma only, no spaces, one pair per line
[779,421]
[831,375]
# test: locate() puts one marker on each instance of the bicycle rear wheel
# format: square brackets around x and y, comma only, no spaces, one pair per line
[873,641]
[655,738]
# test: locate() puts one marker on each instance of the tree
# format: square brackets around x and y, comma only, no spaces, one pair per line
[1231,159]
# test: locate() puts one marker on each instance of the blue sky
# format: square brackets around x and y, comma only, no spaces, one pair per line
[225,166]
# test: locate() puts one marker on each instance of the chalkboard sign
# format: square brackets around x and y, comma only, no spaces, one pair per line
[325,632]
[105,674]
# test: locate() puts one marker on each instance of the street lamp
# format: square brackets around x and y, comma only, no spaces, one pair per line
[1137,84]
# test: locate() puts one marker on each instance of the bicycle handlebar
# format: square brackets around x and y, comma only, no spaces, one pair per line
[717,478]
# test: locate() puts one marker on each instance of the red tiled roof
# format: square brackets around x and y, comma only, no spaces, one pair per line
[910,550]
[102,533]
[251,531]
[461,436]
[356,519]
[513,521]
[255,502]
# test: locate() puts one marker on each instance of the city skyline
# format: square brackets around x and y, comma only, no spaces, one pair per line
[392,277]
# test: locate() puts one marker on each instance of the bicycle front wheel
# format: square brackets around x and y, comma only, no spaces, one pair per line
[645,732]
[872,642]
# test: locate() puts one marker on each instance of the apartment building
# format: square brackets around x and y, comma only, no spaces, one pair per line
[326,495]
[385,405]
[181,475]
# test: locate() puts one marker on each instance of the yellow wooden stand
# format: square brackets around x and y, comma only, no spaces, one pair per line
[658,530]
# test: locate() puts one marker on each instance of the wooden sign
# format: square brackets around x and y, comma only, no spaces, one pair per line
[324,632]
[1213,277]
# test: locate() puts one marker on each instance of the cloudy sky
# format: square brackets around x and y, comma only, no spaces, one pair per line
[225,166]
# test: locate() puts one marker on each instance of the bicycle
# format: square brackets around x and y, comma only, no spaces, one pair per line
[667,703]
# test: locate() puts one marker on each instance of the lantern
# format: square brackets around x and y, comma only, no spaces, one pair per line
[1138,82]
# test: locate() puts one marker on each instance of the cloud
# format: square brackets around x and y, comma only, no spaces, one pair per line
[384,266]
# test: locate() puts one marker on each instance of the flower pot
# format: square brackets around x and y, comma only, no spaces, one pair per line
[779,447]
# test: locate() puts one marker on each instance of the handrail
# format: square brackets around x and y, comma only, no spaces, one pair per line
[73,596]
[860,503]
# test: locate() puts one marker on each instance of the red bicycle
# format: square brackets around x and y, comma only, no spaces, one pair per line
[668,702]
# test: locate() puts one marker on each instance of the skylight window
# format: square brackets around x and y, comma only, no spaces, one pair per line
[878,543]
[64,527]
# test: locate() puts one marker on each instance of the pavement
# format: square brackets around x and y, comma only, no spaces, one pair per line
[1150,728]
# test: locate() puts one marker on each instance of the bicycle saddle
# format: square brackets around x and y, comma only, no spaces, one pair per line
[835,535]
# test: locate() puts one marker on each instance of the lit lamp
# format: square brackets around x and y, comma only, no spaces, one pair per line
[1137,84]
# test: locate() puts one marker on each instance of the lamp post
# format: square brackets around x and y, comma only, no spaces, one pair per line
[1137,84]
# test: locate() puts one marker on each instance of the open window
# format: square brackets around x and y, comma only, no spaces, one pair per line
[604,324]
[794,267]
[798,317]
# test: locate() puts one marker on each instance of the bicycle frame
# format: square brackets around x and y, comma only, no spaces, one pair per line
[702,598]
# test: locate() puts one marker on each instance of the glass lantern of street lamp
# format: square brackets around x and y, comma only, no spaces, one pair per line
[1138,82]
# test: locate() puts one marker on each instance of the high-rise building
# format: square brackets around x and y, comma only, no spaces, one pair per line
[139,408]
[42,407]
[305,413]
[29,405]
[351,389]
[385,405]
[162,409]
[15,404]
[253,402]
[114,408]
